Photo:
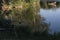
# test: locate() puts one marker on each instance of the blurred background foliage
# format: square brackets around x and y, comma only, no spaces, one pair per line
[23,16]
[22,13]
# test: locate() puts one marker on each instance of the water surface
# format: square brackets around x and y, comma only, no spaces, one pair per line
[52,16]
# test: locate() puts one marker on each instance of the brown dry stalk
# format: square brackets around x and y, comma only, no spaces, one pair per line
[5,7]
[8,7]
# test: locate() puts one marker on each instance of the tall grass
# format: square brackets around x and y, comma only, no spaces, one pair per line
[23,16]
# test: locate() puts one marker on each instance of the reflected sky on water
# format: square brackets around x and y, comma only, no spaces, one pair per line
[52,16]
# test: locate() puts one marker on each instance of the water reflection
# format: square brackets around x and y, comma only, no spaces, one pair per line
[50,4]
[52,16]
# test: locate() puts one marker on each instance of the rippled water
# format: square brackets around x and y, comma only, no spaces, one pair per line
[52,16]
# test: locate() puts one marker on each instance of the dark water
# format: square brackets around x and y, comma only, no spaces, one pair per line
[53,17]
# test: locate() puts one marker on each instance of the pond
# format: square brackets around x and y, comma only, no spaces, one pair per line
[53,17]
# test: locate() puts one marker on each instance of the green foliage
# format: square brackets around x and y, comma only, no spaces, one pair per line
[25,12]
